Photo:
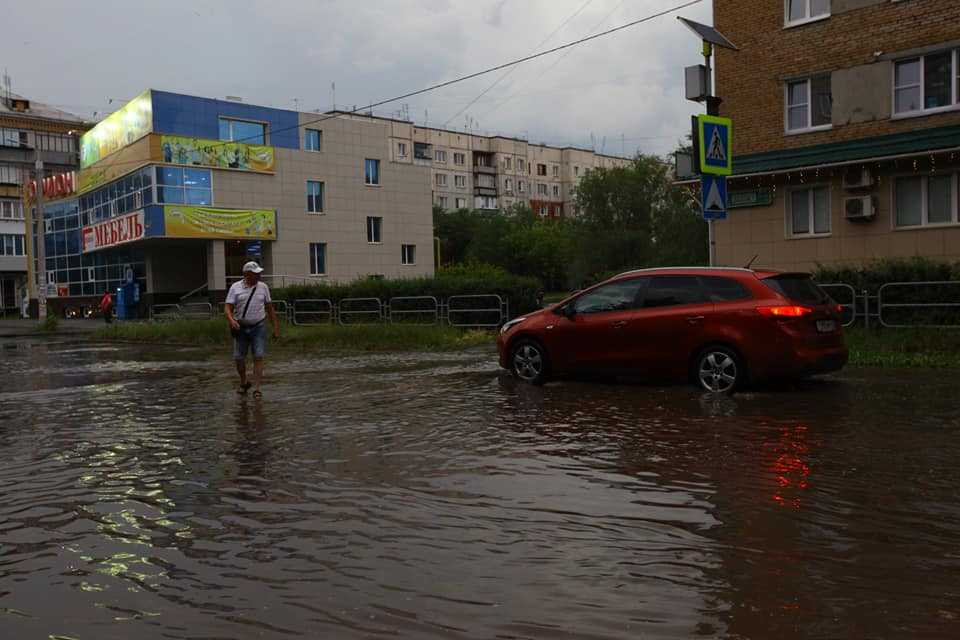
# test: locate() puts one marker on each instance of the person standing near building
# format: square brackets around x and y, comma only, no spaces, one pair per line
[106,306]
[247,307]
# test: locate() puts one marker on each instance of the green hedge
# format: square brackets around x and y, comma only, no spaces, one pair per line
[520,291]
[874,274]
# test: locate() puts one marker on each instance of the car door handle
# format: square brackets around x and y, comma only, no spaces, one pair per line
[619,324]
[695,319]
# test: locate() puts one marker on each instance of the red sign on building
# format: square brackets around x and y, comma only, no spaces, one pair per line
[110,233]
[58,186]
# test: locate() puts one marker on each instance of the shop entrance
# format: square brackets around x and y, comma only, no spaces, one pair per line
[239,252]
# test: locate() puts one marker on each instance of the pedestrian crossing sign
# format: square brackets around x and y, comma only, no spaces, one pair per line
[716,145]
[713,197]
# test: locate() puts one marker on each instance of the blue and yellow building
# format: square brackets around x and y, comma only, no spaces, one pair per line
[176,192]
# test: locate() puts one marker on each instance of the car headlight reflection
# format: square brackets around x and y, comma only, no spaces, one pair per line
[511,324]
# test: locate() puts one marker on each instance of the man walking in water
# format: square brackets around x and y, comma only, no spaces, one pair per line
[247,307]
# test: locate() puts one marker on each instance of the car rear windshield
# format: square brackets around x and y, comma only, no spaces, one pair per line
[797,288]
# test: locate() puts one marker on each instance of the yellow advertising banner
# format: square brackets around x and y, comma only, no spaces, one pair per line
[184,221]
[217,154]
[127,124]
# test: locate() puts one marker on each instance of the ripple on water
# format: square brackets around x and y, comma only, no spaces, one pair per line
[431,496]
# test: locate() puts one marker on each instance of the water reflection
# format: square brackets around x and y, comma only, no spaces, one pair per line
[432,496]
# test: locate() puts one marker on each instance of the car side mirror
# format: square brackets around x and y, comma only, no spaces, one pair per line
[568,311]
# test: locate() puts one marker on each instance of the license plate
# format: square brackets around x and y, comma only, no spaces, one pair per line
[826,326]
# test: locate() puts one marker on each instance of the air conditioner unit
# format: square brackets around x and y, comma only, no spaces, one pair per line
[857,179]
[859,208]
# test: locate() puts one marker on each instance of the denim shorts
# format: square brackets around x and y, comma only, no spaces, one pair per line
[255,337]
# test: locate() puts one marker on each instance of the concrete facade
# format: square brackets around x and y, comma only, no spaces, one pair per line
[510,180]
[27,125]
[911,158]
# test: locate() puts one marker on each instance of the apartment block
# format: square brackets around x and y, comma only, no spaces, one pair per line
[27,128]
[495,172]
[846,130]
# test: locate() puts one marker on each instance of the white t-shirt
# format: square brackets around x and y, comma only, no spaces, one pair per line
[237,296]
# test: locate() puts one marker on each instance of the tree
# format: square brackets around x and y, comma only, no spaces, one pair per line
[632,217]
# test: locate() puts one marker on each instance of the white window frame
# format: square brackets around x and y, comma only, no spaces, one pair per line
[461,203]
[232,121]
[442,201]
[808,81]
[462,156]
[925,202]
[556,191]
[323,197]
[379,171]
[922,111]
[441,179]
[375,231]
[556,171]
[311,258]
[541,189]
[805,20]
[508,185]
[306,136]
[405,260]
[401,149]
[460,181]
[439,155]
[521,187]
[788,211]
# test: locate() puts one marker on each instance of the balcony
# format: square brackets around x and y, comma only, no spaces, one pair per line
[478,168]
[485,191]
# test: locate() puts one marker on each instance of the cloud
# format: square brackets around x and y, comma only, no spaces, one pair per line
[625,87]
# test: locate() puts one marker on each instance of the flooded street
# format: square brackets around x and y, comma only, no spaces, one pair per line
[432,496]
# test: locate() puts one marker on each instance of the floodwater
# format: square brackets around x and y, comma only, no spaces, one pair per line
[431,496]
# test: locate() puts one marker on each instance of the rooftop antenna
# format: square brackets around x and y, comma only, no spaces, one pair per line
[333,89]
[752,260]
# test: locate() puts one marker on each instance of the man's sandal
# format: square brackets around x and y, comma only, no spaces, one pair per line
[257,394]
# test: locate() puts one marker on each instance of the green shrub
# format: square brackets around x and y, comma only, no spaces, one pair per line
[879,272]
[470,279]
[872,276]
[50,323]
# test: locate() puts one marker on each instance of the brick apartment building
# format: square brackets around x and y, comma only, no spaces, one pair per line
[846,130]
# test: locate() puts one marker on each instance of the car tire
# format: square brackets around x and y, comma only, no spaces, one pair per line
[719,369]
[528,361]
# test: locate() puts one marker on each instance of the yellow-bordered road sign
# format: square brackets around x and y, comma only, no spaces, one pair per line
[716,145]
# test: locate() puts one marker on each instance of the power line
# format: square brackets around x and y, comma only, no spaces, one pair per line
[471,76]
[515,67]
[557,61]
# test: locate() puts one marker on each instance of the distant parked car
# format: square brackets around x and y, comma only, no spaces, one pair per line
[720,328]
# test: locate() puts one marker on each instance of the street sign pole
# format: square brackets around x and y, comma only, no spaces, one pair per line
[41,247]
[711,106]
[714,160]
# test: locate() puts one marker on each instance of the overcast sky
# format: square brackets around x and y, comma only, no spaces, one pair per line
[626,88]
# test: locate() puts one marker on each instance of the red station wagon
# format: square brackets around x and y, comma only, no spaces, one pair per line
[717,327]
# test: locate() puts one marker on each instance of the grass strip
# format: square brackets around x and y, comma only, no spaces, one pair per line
[929,348]
[366,338]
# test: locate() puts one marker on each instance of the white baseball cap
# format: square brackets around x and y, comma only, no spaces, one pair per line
[252,266]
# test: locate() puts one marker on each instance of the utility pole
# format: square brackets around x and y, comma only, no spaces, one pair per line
[702,91]
[713,109]
[41,247]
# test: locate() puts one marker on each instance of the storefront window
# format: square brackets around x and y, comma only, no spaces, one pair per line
[183,186]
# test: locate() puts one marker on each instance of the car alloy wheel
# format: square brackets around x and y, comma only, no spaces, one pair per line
[718,371]
[529,362]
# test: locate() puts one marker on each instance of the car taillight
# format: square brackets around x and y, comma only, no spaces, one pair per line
[837,309]
[784,311]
